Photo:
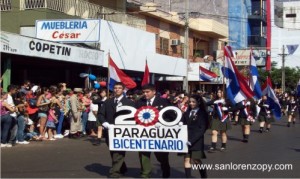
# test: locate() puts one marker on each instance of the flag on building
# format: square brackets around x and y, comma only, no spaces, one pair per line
[253,79]
[237,88]
[273,101]
[146,78]
[206,75]
[117,75]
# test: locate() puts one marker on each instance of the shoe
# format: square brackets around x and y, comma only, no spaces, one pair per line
[288,125]
[6,145]
[97,142]
[267,130]
[212,150]
[222,149]
[294,122]
[66,133]
[52,139]
[245,140]
[260,130]
[58,136]
[23,142]
[73,136]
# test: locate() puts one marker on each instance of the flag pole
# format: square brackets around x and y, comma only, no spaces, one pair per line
[249,67]
[108,74]
[223,70]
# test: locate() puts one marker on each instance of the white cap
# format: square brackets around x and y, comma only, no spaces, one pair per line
[34,88]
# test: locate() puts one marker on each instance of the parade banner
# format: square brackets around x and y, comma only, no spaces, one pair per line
[148,132]
[68,30]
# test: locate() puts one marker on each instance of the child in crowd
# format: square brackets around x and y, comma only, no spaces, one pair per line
[30,134]
[52,119]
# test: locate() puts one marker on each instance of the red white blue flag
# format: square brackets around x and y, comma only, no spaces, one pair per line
[117,75]
[237,88]
[272,100]
[206,75]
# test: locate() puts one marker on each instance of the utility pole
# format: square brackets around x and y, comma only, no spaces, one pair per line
[186,46]
[283,69]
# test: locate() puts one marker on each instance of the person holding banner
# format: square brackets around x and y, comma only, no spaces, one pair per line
[107,117]
[196,119]
[150,99]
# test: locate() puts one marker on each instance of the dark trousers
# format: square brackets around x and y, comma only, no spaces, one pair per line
[5,126]
[118,166]
[13,131]
[145,161]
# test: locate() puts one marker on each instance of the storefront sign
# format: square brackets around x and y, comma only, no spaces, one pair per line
[68,31]
[241,57]
[148,132]
[20,45]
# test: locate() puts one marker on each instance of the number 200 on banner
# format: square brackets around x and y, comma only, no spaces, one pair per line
[142,134]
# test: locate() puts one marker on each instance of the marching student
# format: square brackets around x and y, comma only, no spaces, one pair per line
[246,117]
[219,122]
[196,119]
[291,108]
[264,117]
[150,99]
[107,116]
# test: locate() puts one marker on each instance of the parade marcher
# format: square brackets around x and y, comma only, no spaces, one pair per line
[99,101]
[219,122]
[283,99]
[264,116]
[107,117]
[150,99]
[291,108]
[196,119]
[246,117]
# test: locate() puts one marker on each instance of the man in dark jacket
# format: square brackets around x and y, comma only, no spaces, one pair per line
[150,99]
[107,117]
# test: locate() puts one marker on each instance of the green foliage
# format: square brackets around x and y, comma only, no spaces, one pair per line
[292,76]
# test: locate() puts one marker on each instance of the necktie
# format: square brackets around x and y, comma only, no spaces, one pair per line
[148,103]
[192,114]
[116,101]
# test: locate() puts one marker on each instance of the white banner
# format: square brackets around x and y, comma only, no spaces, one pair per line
[140,138]
[68,30]
[20,45]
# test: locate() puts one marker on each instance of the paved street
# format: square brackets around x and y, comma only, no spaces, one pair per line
[69,158]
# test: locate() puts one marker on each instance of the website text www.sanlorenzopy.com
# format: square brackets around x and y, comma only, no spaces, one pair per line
[233,166]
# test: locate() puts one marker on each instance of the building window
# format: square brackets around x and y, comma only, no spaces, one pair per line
[290,15]
[199,53]
[164,45]
[5,5]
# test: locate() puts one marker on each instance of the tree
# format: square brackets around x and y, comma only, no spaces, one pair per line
[292,76]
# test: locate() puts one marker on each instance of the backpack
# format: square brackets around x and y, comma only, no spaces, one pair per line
[32,102]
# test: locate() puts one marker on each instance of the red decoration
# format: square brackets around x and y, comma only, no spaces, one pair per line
[102,83]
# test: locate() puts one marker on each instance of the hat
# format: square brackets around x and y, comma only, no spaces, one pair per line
[78,90]
[34,88]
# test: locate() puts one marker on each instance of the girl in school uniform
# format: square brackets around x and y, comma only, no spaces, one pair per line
[196,119]
[219,122]
[264,116]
